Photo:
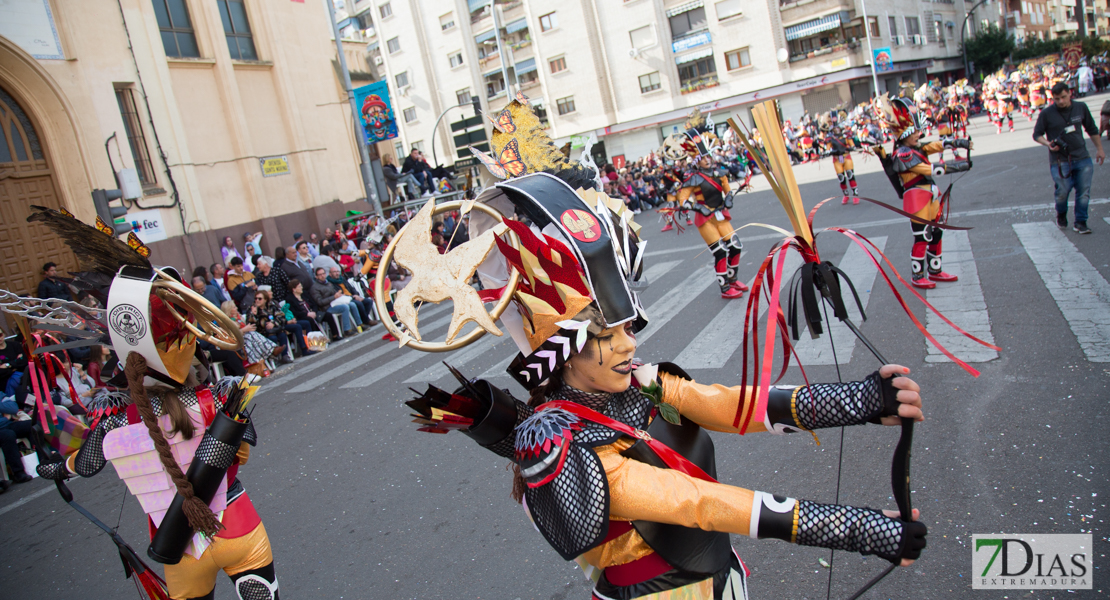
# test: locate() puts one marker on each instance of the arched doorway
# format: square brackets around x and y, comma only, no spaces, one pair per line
[25,179]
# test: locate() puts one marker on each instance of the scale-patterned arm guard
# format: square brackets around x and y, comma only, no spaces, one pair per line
[862,530]
[822,405]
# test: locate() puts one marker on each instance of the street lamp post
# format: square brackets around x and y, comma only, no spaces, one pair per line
[963,44]
[360,137]
[870,51]
[435,127]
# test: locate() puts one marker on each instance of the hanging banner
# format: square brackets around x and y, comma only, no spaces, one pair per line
[1073,53]
[883,62]
[375,112]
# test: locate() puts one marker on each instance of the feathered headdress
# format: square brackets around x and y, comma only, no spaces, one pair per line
[899,114]
[521,146]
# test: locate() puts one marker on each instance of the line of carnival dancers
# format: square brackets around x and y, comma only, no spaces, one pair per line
[600,433]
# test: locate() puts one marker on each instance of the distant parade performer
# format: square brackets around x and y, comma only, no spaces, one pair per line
[912,174]
[836,141]
[705,190]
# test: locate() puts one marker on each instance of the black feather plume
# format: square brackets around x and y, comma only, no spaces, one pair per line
[96,251]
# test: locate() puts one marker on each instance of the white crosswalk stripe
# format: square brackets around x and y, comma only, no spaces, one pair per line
[664,309]
[862,272]
[713,346]
[335,373]
[459,358]
[962,302]
[652,274]
[1081,293]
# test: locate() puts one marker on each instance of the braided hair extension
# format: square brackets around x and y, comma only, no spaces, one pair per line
[200,516]
[538,397]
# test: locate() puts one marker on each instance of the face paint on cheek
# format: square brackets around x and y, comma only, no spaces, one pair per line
[600,356]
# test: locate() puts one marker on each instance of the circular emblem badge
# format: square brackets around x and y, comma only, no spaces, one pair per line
[581,225]
[128,321]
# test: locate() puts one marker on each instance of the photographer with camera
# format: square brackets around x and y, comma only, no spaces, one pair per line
[1060,128]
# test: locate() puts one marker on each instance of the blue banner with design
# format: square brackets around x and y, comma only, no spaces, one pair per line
[375,112]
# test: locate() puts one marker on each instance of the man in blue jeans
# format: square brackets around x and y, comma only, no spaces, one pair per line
[325,294]
[1060,128]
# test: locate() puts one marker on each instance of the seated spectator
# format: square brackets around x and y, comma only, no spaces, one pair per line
[256,347]
[240,283]
[304,258]
[99,356]
[10,431]
[51,286]
[269,320]
[228,251]
[328,296]
[12,365]
[364,305]
[217,281]
[393,178]
[81,387]
[303,312]
[275,278]
[418,167]
[324,261]
[207,290]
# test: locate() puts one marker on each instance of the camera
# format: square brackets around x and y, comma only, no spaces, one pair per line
[1061,145]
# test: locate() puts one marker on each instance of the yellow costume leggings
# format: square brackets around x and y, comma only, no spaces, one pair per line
[247,559]
[712,230]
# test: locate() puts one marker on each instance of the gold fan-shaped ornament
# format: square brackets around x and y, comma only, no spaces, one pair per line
[437,277]
[211,325]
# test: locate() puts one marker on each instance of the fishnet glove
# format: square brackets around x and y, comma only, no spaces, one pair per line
[862,530]
[823,405]
[53,471]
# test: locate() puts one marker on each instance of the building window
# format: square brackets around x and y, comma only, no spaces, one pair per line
[237,29]
[558,65]
[402,79]
[892,24]
[410,114]
[393,45]
[696,73]
[462,96]
[418,145]
[688,22]
[177,30]
[873,25]
[726,9]
[447,21]
[548,22]
[385,10]
[737,59]
[913,26]
[495,86]
[135,138]
[399,150]
[649,82]
[565,105]
[455,58]
[642,37]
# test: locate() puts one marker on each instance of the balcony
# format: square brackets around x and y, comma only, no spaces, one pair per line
[825,52]
[511,10]
[479,16]
[797,10]
[697,85]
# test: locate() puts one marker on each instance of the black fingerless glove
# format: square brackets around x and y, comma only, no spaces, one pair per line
[53,471]
[862,530]
[957,166]
[822,405]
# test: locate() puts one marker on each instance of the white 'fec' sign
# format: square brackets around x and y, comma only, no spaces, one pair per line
[147,224]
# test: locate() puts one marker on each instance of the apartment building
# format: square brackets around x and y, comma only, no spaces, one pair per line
[1029,19]
[628,72]
[229,112]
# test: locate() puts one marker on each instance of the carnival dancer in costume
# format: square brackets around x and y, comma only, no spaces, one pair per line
[594,445]
[837,147]
[705,190]
[1037,95]
[177,445]
[1004,107]
[912,174]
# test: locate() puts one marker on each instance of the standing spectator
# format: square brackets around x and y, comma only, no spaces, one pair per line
[329,297]
[275,278]
[228,250]
[51,286]
[416,165]
[218,272]
[207,290]
[240,282]
[289,266]
[255,242]
[1060,128]
[269,320]
[313,245]
[394,179]
[304,257]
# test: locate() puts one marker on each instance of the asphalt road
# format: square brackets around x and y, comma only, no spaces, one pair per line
[360,505]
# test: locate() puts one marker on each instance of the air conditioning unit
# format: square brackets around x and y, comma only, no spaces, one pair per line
[633,53]
[378,60]
[919,40]
[899,40]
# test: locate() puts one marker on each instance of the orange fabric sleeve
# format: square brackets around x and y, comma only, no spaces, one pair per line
[711,406]
[724,185]
[921,169]
[684,194]
[932,148]
[639,491]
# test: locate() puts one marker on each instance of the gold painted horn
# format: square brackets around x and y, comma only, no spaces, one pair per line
[212,325]
[438,277]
